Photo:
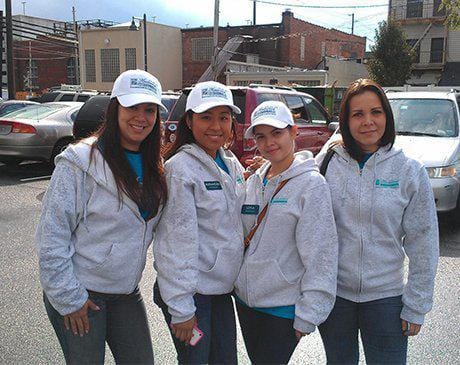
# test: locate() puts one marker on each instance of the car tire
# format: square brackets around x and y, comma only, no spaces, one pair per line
[59,147]
[11,161]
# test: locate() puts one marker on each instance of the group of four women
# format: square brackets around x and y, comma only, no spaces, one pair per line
[296,250]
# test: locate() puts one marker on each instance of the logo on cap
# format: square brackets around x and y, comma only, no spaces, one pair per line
[265,111]
[144,84]
[213,92]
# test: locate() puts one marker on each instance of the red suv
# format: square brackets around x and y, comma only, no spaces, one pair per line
[309,115]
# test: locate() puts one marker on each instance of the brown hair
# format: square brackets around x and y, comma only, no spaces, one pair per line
[184,134]
[153,191]
[356,88]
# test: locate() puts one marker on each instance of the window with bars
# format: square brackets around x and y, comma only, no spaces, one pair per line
[90,65]
[302,48]
[130,58]
[202,49]
[414,9]
[110,64]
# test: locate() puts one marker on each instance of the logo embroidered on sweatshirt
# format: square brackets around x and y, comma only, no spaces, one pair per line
[279,200]
[252,209]
[389,184]
[239,179]
[213,185]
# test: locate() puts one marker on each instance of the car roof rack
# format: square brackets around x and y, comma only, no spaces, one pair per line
[278,87]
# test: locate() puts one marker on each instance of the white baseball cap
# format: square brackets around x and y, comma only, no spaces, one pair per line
[134,87]
[209,94]
[272,113]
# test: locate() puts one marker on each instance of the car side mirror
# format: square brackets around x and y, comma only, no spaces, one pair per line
[333,126]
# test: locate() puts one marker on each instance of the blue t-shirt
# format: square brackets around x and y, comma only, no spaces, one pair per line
[135,161]
[366,157]
[221,163]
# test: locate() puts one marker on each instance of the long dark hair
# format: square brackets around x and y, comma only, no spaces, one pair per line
[184,134]
[153,191]
[356,88]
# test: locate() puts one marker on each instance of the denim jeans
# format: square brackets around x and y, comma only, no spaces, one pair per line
[379,325]
[268,339]
[121,322]
[216,319]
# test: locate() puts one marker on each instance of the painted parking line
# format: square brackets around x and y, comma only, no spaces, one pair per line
[35,178]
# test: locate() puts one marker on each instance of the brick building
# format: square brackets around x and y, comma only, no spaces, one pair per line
[50,63]
[293,42]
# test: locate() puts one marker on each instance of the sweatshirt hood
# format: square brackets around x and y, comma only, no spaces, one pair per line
[303,163]
[382,154]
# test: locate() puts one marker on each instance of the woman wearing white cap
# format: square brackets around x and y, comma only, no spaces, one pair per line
[199,244]
[99,215]
[287,283]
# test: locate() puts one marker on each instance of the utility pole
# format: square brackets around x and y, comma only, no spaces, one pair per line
[353,23]
[9,50]
[215,40]
[23,7]
[254,13]
[29,74]
[1,50]
[77,63]
[145,41]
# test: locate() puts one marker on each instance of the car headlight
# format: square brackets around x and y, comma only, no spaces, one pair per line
[438,172]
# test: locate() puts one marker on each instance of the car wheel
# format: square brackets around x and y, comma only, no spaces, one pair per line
[59,147]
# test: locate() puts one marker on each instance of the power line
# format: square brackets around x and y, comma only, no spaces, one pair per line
[319,6]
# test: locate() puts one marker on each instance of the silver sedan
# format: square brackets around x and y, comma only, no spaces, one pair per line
[37,132]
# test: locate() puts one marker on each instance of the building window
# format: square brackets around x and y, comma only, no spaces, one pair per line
[252,58]
[436,11]
[110,64]
[31,80]
[202,49]
[414,9]
[302,48]
[90,65]
[411,43]
[437,50]
[305,82]
[71,77]
[130,58]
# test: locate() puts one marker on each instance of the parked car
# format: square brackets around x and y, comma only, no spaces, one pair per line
[13,105]
[92,113]
[309,115]
[37,132]
[90,116]
[427,125]
[427,129]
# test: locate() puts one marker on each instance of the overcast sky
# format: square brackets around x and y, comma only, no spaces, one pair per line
[194,13]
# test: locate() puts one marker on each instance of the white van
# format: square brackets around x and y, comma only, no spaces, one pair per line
[427,127]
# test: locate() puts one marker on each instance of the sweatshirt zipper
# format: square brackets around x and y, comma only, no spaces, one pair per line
[361,248]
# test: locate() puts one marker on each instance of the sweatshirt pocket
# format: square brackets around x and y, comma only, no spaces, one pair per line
[220,277]
[268,286]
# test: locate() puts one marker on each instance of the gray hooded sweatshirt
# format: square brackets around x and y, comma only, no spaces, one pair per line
[383,213]
[86,239]
[199,244]
[292,258]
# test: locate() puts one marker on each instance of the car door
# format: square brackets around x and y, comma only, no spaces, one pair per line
[317,125]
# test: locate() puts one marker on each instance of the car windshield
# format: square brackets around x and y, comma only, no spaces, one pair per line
[35,111]
[168,103]
[425,117]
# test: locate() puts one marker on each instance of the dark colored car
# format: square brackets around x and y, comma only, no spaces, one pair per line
[91,115]
[309,115]
[65,96]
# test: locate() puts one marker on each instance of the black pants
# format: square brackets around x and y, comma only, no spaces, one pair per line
[216,318]
[268,339]
[121,322]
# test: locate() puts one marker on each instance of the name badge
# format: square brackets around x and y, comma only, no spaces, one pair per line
[213,185]
[250,209]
